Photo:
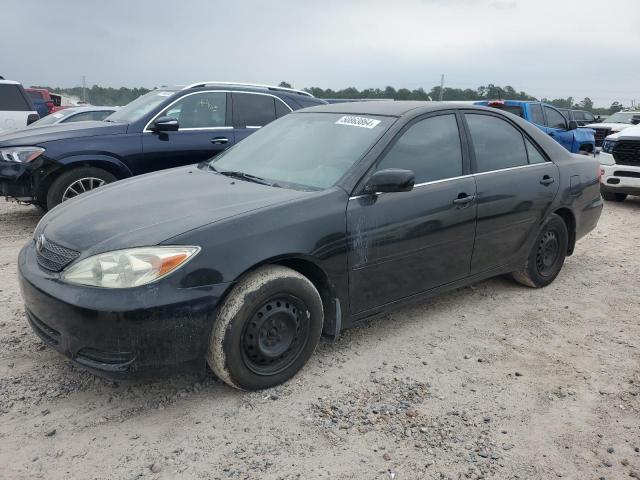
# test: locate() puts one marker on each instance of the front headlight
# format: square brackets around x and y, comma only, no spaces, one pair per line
[20,154]
[128,268]
[608,146]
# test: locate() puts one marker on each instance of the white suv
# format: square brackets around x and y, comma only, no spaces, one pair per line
[16,109]
[612,124]
[620,165]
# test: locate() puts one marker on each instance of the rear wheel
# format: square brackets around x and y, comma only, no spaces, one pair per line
[76,182]
[547,255]
[266,329]
[614,197]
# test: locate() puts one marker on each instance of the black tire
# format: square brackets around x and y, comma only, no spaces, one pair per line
[547,254]
[266,329]
[57,190]
[614,197]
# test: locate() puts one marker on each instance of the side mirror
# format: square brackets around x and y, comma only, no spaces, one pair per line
[635,120]
[165,124]
[572,125]
[390,180]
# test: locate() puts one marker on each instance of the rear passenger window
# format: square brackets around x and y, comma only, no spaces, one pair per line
[253,110]
[496,143]
[555,118]
[536,114]
[11,99]
[533,153]
[430,148]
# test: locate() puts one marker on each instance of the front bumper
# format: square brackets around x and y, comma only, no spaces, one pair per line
[16,181]
[142,331]
[618,178]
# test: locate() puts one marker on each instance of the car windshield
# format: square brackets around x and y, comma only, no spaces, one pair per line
[621,117]
[135,110]
[304,150]
[53,118]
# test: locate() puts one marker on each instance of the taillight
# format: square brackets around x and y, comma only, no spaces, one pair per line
[496,103]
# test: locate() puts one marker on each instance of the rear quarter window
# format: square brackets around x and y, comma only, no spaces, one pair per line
[12,99]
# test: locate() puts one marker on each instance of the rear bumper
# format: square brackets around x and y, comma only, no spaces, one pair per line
[119,333]
[619,178]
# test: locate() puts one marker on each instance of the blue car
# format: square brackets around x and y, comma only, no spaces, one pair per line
[551,121]
[165,128]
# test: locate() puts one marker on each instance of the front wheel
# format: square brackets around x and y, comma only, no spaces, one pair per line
[266,329]
[547,255]
[75,182]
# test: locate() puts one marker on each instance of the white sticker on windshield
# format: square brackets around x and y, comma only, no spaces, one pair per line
[58,115]
[164,94]
[358,121]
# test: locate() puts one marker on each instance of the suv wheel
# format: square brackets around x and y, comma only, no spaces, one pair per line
[614,197]
[76,182]
[547,255]
[266,329]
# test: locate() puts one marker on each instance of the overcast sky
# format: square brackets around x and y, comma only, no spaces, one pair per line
[552,48]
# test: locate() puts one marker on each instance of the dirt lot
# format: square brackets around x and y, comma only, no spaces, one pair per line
[491,381]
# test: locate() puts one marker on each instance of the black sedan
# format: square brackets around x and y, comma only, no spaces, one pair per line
[325,217]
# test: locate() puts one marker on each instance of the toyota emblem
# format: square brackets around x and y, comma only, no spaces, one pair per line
[41,242]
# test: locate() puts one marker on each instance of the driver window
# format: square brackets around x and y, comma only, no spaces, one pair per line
[200,110]
[555,119]
[430,148]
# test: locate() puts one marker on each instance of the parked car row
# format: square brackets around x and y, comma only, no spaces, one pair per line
[325,216]
[162,129]
[614,124]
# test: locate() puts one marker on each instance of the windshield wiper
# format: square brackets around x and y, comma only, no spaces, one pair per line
[244,176]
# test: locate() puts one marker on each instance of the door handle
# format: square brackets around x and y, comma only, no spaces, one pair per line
[219,140]
[463,199]
[547,180]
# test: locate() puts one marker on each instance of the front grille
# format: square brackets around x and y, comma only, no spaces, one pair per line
[627,152]
[601,134]
[55,257]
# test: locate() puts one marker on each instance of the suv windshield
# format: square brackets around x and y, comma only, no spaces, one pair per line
[135,110]
[621,117]
[305,150]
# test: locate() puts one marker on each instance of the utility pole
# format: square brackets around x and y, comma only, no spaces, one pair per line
[84,89]
[441,87]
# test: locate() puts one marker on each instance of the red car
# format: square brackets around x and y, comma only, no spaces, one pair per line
[42,99]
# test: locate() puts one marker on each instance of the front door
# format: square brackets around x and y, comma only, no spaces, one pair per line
[204,131]
[405,243]
[516,185]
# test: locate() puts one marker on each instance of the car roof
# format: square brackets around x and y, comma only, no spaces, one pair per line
[386,108]
[10,82]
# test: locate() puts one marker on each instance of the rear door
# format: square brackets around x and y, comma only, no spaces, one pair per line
[557,127]
[253,110]
[15,107]
[205,130]
[516,185]
[404,243]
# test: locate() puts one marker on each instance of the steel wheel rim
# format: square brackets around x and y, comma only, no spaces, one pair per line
[275,335]
[81,186]
[548,253]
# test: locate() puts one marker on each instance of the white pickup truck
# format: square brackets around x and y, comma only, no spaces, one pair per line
[16,109]
[620,165]
[613,124]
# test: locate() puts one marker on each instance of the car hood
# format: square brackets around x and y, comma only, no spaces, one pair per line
[48,133]
[630,133]
[616,127]
[151,209]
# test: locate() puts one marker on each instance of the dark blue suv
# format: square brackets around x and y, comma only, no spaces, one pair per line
[163,129]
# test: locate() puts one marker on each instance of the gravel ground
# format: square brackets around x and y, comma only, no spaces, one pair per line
[490,381]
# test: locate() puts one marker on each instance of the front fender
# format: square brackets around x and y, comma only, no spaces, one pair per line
[107,162]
